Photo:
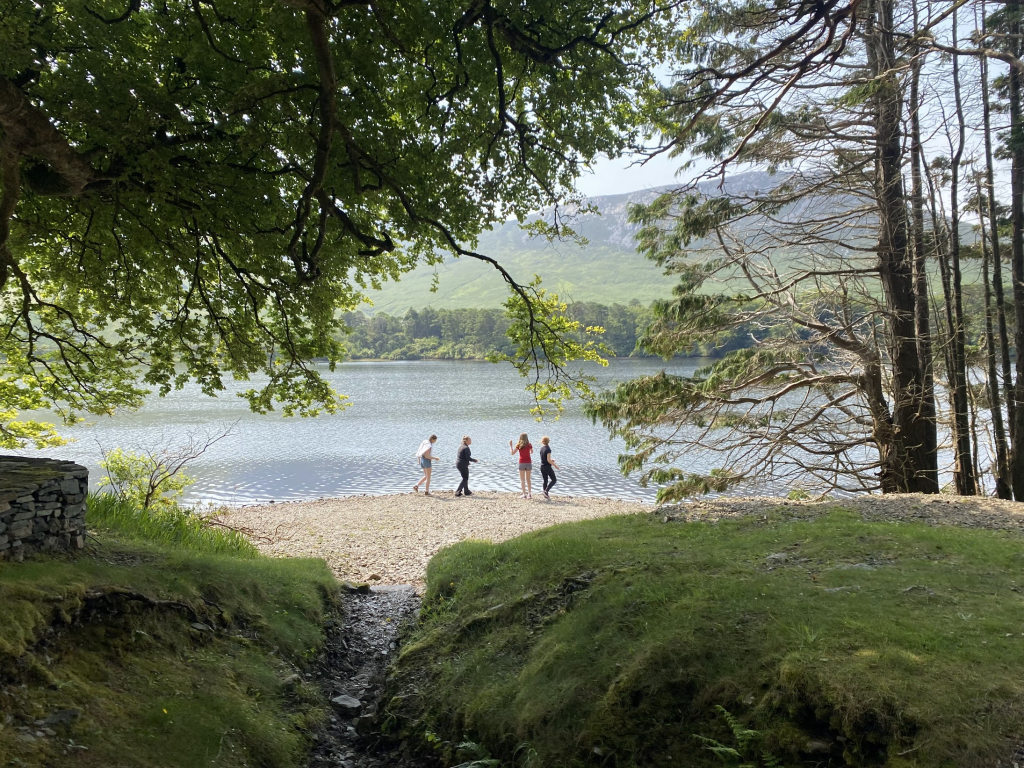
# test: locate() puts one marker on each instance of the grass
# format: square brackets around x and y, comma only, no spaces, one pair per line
[176,643]
[629,642]
[174,527]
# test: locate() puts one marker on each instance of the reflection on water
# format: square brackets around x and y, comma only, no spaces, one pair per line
[369,448]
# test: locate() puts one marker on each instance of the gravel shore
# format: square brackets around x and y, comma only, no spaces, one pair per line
[390,539]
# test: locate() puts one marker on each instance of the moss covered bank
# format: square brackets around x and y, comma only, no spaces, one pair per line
[165,645]
[779,638]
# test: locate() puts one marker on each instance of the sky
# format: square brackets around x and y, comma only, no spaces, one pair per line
[615,177]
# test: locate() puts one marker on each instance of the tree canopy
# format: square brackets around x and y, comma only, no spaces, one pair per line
[193,189]
[867,119]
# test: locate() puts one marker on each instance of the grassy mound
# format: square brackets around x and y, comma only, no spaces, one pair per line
[775,641]
[168,644]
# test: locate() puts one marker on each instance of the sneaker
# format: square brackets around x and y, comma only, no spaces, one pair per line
[546,496]
[468,493]
[457,495]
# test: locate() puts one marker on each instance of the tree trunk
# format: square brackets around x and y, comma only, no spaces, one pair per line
[921,309]
[997,265]
[963,474]
[907,466]
[1002,465]
[1017,259]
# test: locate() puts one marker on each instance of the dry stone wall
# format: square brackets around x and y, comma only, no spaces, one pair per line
[42,506]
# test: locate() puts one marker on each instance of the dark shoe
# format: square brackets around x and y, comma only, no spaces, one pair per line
[457,495]
[468,493]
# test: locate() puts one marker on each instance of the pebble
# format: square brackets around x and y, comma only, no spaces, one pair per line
[390,539]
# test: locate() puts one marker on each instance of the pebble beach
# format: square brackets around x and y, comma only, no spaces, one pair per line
[390,539]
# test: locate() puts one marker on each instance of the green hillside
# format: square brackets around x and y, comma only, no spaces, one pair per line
[607,270]
[597,273]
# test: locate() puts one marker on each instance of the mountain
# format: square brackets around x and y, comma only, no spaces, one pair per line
[607,270]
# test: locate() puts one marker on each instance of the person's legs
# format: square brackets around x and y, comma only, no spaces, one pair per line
[529,485]
[522,481]
[549,477]
[426,476]
[552,479]
[464,485]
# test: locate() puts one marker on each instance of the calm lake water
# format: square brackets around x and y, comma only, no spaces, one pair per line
[369,447]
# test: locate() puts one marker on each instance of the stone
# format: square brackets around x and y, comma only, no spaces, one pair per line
[201,627]
[33,497]
[347,705]
[63,717]
[3,539]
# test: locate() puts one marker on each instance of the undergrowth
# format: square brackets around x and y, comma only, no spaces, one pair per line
[617,642]
[170,525]
[168,644]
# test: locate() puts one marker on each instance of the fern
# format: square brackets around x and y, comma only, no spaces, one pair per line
[743,755]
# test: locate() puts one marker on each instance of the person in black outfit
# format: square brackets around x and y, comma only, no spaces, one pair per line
[547,465]
[462,459]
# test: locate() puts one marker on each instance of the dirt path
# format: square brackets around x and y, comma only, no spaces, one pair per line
[390,539]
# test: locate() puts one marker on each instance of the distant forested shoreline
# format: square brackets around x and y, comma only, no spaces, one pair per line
[473,334]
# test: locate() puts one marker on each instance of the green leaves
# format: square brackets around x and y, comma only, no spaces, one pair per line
[200,189]
[547,340]
[143,480]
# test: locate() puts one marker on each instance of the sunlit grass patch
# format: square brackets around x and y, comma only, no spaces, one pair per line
[176,526]
[171,645]
[841,642]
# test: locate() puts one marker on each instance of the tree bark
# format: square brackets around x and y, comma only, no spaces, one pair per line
[1002,466]
[906,467]
[921,305]
[1017,259]
[963,475]
[997,266]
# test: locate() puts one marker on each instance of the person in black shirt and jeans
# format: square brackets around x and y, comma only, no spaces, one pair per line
[547,466]
[462,459]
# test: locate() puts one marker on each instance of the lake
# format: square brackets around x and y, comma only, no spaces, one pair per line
[369,447]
